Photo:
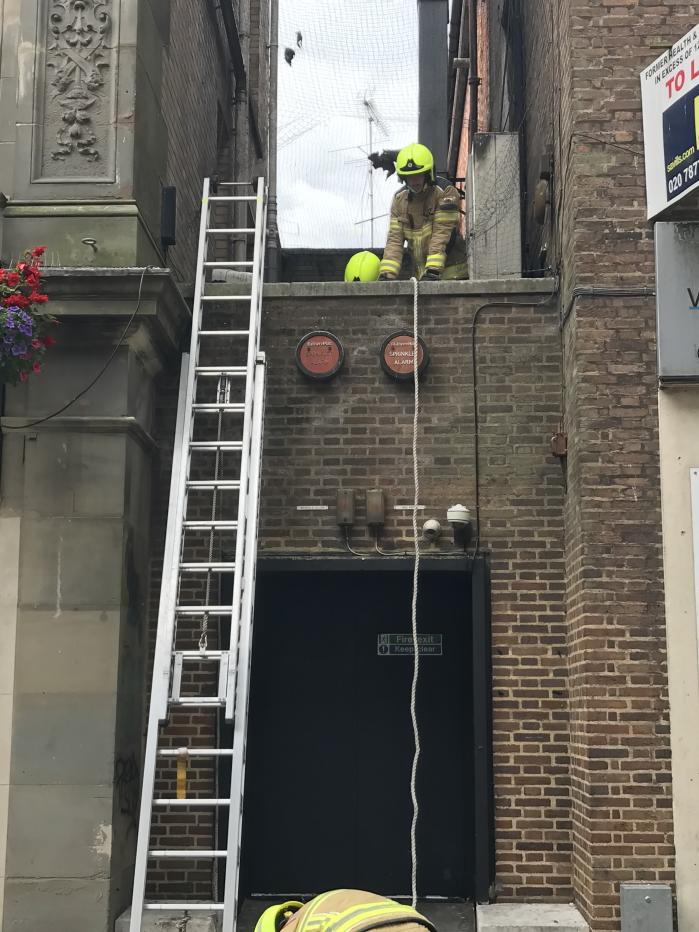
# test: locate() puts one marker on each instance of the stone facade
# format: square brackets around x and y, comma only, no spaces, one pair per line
[102,104]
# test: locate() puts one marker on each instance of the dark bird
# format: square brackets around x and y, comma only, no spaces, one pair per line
[385,159]
[299,39]
[289,55]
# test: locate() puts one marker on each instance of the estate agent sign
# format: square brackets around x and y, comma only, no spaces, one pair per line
[670,96]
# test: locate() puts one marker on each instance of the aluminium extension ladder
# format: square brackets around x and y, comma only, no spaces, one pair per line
[229,668]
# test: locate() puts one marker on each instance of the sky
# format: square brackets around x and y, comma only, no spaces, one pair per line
[348,53]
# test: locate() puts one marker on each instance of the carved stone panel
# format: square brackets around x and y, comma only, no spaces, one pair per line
[75,125]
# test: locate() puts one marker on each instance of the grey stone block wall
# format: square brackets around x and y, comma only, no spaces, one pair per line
[80,485]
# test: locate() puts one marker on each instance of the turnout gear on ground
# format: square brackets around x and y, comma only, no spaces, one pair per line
[429,222]
[344,911]
[362,267]
[415,159]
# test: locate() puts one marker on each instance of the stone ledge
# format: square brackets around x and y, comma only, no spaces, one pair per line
[166,921]
[504,286]
[530,917]
[539,288]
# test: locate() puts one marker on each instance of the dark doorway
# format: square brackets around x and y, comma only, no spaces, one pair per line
[330,744]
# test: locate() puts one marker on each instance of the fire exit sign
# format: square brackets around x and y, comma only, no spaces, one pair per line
[401,645]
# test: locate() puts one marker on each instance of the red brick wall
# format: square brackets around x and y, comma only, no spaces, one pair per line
[620,751]
[356,432]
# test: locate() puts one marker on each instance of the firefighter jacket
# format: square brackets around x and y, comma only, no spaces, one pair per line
[356,911]
[429,222]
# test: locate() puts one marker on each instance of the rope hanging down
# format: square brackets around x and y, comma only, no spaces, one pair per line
[416,653]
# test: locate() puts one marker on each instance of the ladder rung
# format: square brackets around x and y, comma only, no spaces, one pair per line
[186,853]
[204,610]
[224,333]
[214,484]
[196,752]
[191,802]
[202,567]
[184,907]
[216,445]
[221,370]
[196,701]
[227,265]
[235,184]
[216,230]
[220,406]
[202,654]
[233,197]
[225,297]
[210,525]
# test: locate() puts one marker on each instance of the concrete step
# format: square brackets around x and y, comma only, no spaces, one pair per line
[158,921]
[529,917]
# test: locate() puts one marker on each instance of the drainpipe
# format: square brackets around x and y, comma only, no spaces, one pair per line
[273,245]
[473,79]
[241,165]
[460,66]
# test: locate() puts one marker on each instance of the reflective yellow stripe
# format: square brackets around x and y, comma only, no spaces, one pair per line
[312,911]
[436,261]
[368,914]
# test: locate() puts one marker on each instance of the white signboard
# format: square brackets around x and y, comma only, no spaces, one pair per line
[670,96]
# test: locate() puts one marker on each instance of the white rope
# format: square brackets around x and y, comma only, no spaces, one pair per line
[416,653]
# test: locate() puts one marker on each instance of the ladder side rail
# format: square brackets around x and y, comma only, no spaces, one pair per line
[253,344]
[240,723]
[140,867]
[161,665]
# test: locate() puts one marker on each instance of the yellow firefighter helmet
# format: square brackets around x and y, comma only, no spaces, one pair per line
[274,917]
[362,267]
[415,159]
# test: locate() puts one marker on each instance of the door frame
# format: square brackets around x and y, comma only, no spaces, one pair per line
[478,569]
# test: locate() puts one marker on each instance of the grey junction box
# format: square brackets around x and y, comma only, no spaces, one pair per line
[677,277]
[646,907]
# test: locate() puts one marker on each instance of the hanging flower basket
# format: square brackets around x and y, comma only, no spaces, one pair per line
[24,329]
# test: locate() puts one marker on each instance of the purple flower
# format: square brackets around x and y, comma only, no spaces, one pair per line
[19,349]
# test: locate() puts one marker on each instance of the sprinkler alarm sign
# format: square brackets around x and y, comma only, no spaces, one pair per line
[670,95]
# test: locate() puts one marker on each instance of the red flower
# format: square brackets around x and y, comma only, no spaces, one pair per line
[36,367]
[38,251]
[23,375]
[38,298]
[36,344]
[2,275]
[48,341]
[13,280]
[16,300]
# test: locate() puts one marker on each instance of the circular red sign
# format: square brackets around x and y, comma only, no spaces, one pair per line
[398,355]
[319,355]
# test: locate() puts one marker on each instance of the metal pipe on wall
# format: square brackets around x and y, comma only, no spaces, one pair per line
[473,79]
[241,142]
[461,72]
[273,258]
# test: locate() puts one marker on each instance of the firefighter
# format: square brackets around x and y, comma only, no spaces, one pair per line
[362,267]
[343,911]
[425,213]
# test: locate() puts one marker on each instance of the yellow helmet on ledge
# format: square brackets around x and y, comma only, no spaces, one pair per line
[362,267]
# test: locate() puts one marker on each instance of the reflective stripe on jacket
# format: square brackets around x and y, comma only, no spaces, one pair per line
[429,223]
[356,911]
